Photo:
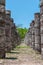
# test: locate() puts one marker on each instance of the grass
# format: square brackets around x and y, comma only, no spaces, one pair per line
[15,52]
[22,47]
[23,50]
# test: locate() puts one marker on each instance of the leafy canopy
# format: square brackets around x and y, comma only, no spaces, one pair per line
[22,31]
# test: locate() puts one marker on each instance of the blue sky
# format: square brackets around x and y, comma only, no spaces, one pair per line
[22,11]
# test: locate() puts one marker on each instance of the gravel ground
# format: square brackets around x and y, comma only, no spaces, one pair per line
[25,56]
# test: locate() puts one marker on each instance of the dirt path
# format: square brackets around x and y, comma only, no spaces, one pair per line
[23,56]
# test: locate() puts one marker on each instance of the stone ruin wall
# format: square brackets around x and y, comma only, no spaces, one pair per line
[37,31]
[9,37]
[41,25]
[27,39]
[33,34]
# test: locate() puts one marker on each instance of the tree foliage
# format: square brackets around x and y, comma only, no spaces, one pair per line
[22,32]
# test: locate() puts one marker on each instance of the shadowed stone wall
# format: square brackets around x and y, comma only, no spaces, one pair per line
[2,28]
[2,37]
[9,37]
[33,34]
[8,31]
[30,35]
[37,32]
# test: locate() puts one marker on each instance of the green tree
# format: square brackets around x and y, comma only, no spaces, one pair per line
[22,32]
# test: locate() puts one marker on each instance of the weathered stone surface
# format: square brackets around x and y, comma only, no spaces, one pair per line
[41,25]
[33,34]
[2,2]
[27,39]
[35,37]
[9,36]
[37,32]
[8,31]
[2,30]
[2,37]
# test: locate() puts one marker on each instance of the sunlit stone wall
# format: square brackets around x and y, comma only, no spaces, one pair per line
[41,25]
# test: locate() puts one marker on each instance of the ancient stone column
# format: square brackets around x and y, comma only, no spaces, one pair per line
[18,40]
[37,32]
[27,38]
[15,36]
[2,2]
[8,31]
[30,37]
[2,38]
[41,25]
[2,28]
[12,35]
[33,34]
[12,39]
[2,6]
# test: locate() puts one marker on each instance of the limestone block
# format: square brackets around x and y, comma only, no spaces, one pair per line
[2,2]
